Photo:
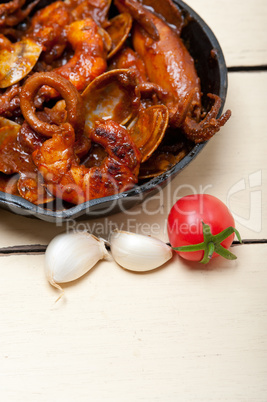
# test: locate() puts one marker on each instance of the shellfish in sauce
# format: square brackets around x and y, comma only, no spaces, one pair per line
[95,96]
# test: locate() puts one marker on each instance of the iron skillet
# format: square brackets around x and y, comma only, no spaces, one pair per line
[199,40]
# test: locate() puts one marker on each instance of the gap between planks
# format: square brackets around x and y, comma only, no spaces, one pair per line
[40,249]
[238,69]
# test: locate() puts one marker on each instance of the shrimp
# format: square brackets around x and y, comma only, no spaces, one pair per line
[89,60]
[67,179]
[48,30]
[90,47]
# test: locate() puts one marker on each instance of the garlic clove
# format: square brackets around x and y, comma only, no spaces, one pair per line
[71,255]
[137,252]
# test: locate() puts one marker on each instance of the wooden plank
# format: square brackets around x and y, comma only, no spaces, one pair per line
[183,332]
[232,167]
[240,27]
[20,230]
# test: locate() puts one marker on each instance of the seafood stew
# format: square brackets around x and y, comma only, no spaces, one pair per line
[80,111]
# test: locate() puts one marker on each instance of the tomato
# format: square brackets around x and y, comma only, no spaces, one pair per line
[186,221]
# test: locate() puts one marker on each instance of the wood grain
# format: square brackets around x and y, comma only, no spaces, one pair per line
[240,27]
[180,333]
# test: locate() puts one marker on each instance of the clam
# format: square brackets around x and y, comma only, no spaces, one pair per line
[107,40]
[113,95]
[17,61]
[148,129]
[118,29]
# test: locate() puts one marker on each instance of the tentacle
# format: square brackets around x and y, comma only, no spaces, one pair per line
[74,104]
[205,129]
[117,142]
[149,88]
[179,111]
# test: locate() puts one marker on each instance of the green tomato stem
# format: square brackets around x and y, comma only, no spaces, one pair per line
[212,243]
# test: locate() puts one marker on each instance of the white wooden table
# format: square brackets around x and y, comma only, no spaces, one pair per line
[182,333]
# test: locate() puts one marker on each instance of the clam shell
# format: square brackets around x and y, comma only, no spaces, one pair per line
[149,128]
[118,30]
[18,62]
[113,95]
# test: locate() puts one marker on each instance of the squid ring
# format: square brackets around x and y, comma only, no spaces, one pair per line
[74,103]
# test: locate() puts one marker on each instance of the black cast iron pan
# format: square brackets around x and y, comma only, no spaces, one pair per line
[212,71]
